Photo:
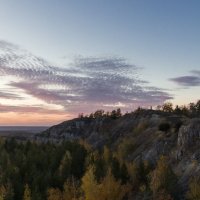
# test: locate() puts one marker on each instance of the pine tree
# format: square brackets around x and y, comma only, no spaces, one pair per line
[65,165]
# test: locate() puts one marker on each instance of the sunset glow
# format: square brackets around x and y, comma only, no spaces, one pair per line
[74,59]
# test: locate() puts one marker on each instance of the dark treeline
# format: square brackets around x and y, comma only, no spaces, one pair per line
[31,169]
[101,113]
[190,110]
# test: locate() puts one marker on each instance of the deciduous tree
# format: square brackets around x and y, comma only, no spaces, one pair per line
[163,178]
[194,189]
[27,193]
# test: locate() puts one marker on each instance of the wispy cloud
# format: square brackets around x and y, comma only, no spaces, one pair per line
[8,95]
[29,109]
[188,80]
[82,86]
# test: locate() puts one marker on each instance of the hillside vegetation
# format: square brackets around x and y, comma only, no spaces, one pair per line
[142,155]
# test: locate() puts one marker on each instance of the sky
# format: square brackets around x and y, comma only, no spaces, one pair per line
[61,58]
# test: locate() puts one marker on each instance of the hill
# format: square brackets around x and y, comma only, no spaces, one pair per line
[141,135]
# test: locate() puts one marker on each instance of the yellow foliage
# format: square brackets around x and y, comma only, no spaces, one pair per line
[90,186]
[162,178]
[54,194]
[71,190]
[133,173]
[86,145]
[194,189]
[108,189]
[111,189]
[27,193]
[2,192]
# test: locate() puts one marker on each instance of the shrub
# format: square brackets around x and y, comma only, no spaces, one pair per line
[164,126]
[177,126]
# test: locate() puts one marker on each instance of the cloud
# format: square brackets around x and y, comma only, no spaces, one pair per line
[191,80]
[8,95]
[29,109]
[84,85]
[196,72]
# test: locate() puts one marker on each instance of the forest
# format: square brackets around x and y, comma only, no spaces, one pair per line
[31,171]
[75,170]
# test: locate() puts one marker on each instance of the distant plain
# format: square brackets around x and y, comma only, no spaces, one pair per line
[12,131]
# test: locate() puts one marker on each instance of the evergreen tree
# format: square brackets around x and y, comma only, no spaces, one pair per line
[65,165]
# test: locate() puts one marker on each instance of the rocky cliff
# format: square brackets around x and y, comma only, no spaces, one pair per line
[151,134]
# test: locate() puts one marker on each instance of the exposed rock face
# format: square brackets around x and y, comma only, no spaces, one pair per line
[188,151]
[189,135]
[181,143]
[80,128]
